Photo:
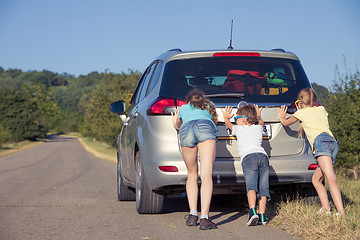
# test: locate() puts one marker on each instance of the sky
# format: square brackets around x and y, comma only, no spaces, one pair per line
[81,36]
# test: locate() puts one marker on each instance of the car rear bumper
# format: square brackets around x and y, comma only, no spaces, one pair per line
[227,173]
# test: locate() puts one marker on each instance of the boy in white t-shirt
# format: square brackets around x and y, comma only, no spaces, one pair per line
[254,160]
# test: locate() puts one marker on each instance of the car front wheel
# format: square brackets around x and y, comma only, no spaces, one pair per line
[124,193]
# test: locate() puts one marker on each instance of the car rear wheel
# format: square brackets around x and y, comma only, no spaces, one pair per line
[147,201]
[123,191]
[309,195]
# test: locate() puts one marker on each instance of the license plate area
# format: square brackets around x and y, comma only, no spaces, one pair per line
[223,133]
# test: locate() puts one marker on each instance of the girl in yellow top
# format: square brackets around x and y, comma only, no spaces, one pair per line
[314,122]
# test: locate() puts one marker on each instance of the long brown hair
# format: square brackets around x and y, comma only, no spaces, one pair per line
[197,99]
[308,97]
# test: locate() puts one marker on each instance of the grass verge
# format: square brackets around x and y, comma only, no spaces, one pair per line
[301,219]
[10,148]
[96,148]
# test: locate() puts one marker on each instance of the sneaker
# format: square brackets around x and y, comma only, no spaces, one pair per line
[207,224]
[191,220]
[339,215]
[321,211]
[263,220]
[253,218]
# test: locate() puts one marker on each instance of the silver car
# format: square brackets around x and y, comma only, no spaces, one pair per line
[150,166]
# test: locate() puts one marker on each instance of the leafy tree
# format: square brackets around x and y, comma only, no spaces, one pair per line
[99,122]
[21,115]
[344,119]
[45,102]
[68,97]
[321,92]
[5,135]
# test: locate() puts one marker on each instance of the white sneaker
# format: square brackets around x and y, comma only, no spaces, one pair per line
[322,211]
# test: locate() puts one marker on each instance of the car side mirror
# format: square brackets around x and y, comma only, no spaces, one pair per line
[119,107]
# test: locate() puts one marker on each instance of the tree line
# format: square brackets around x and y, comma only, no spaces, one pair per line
[35,103]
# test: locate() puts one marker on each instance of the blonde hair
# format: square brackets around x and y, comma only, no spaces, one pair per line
[306,96]
[198,100]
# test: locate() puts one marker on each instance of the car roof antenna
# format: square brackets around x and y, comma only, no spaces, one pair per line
[230,47]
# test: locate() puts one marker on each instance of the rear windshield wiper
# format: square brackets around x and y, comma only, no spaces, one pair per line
[226,95]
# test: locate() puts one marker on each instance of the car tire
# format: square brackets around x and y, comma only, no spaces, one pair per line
[305,192]
[123,191]
[309,195]
[147,201]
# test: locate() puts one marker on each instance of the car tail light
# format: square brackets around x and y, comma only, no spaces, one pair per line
[312,167]
[168,168]
[164,106]
[237,54]
[292,108]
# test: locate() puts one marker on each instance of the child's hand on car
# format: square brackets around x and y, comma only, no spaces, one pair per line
[258,110]
[227,113]
[282,112]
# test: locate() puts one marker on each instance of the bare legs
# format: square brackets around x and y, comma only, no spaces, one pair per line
[326,170]
[189,155]
[251,195]
[207,150]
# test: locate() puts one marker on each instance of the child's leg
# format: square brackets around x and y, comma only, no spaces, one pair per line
[262,204]
[326,166]
[320,189]
[251,195]
[264,192]
[190,158]
[251,173]
[207,153]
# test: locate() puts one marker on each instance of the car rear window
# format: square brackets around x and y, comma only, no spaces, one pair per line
[228,79]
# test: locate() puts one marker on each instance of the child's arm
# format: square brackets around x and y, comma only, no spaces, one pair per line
[176,120]
[258,115]
[286,121]
[227,115]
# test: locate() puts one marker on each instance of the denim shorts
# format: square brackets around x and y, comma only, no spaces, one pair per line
[196,131]
[256,173]
[326,145]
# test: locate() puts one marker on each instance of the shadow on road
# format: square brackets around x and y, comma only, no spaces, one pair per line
[233,206]
[59,138]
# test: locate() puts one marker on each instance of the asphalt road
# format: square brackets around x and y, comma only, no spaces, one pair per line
[57,190]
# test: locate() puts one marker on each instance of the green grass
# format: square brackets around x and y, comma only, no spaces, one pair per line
[10,148]
[98,149]
[301,220]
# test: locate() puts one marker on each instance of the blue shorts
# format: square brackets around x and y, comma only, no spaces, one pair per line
[196,131]
[256,173]
[326,145]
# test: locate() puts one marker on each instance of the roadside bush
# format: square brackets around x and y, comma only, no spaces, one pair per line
[99,122]
[5,135]
[21,115]
[344,119]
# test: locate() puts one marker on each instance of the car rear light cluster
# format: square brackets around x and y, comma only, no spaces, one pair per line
[292,108]
[164,106]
